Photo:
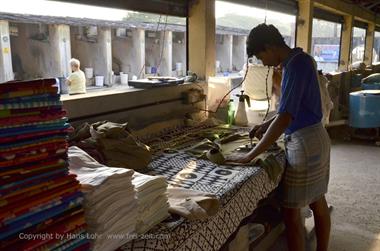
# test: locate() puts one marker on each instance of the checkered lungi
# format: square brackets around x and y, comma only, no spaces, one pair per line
[308,166]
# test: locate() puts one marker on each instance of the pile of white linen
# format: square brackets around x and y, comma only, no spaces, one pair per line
[110,200]
[152,199]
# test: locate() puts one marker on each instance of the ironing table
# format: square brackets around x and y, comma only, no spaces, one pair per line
[238,188]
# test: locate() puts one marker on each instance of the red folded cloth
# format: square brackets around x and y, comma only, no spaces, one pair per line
[40,154]
[41,228]
[40,189]
[43,116]
[27,136]
[21,207]
[11,174]
[28,88]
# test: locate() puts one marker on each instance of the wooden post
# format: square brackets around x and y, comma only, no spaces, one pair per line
[305,24]
[369,40]
[345,46]
[202,38]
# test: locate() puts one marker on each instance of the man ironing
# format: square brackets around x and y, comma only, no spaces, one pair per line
[307,143]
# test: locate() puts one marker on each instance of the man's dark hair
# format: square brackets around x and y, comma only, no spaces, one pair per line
[261,36]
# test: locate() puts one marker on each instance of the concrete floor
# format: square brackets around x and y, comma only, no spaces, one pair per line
[354,192]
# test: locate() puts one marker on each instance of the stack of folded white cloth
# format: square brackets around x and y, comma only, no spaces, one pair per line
[152,199]
[110,205]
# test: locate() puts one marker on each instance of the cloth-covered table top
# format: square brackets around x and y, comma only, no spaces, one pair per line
[239,189]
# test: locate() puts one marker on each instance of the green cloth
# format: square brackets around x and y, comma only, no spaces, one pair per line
[219,143]
[270,165]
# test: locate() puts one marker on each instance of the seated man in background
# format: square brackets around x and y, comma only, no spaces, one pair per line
[76,80]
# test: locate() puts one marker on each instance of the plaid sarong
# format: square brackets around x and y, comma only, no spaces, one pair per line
[308,166]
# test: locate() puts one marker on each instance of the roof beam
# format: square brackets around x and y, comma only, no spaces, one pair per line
[370,6]
[343,8]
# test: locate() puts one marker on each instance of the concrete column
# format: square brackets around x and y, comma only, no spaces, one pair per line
[369,40]
[165,66]
[345,46]
[59,37]
[104,60]
[202,38]
[6,71]
[229,45]
[305,24]
[239,53]
[138,46]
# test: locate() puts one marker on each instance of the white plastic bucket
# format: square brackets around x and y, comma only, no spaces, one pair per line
[123,78]
[178,66]
[99,80]
[89,72]
[148,69]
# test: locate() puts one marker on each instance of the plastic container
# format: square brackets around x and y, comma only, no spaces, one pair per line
[123,78]
[89,72]
[178,66]
[364,109]
[62,86]
[374,86]
[148,69]
[99,81]
[231,112]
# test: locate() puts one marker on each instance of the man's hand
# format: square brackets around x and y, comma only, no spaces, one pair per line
[258,131]
[241,158]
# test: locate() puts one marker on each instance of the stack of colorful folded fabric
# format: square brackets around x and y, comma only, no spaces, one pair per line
[152,201]
[40,202]
[110,200]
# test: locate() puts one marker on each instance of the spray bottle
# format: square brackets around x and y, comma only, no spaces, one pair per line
[241,114]
[231,112]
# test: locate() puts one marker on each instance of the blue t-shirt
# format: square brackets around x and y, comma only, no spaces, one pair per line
[300,95]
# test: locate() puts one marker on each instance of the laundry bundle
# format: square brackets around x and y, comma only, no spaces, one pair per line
[40,202]
[152,201]
[112,144]
[110,200]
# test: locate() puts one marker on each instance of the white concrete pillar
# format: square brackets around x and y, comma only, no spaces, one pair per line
[229,47]
[59,35]
[239,53]
[138,46]
[104,60]
[6,71]
[165,66]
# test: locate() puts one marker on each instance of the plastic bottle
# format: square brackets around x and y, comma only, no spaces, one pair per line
[241,114]
[231,112]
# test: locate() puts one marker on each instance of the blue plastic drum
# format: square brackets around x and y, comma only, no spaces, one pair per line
[365,109]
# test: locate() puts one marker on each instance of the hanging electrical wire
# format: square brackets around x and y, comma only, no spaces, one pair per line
[162,46]
[151,47]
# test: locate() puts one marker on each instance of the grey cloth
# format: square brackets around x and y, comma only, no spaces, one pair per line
[192,204]
[119,146]
[308,166]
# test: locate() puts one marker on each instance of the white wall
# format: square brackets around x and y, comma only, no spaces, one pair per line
[179,50]
[224,51]
[127,51]
[152,49]
[96,55]
[40,58]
